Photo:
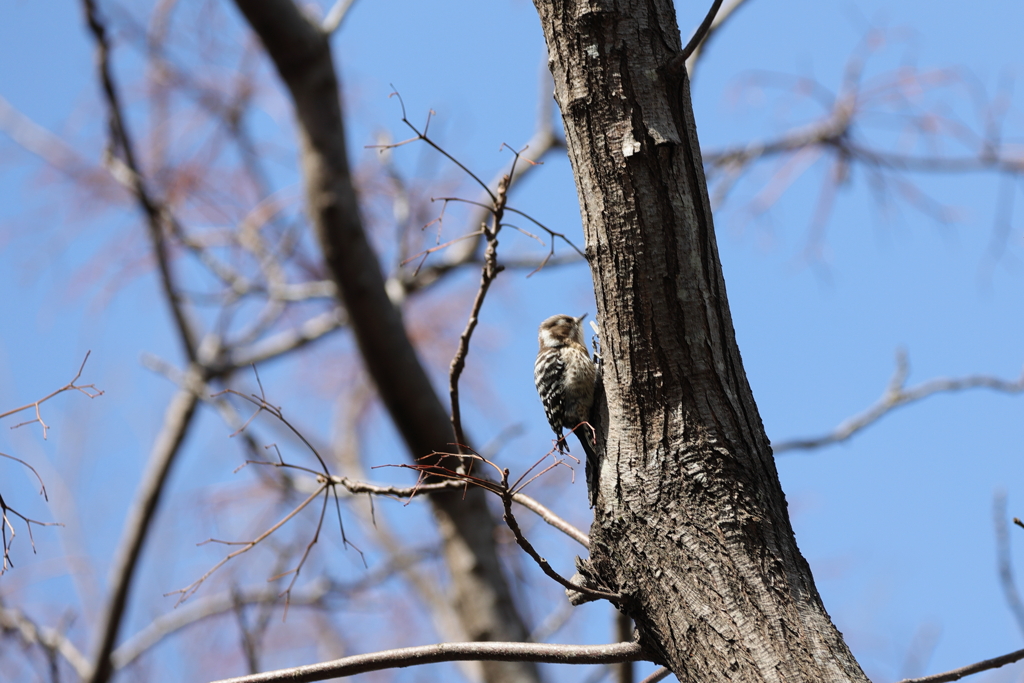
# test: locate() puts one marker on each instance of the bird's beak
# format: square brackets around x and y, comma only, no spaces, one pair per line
[580,319]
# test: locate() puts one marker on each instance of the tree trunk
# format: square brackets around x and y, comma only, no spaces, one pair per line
[480,593]
[691,523]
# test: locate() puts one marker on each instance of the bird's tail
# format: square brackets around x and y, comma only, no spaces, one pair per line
[586,436]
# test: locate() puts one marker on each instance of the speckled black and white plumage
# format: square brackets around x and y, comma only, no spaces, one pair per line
[565,376]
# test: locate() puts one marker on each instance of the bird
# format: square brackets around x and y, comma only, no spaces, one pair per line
[565,376]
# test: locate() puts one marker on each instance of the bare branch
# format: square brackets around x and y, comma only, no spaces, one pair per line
[157,213]
[42,486]
[659,675]
[89,390]
[451,652]
[895,395]
[1004,561]
[487,275]
[284,342]
[843,137]
[315,594]
[7,531]
[336,15]
[167,445]
[552,519]
[39,141]
[957,674]
[543,142]
[624,630]
[409,491]
[396,491]
[205,608]
[422,585]
[721,16]
[425,137]
[13,620]
[702,31]
[184,593]
[262,405]
[7,528]
[526,501]
[510,520]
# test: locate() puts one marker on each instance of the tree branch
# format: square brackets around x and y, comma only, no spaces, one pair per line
[336,15]
[489,271]
[189,590]
[13,620]
[451,652]
[302,55]
[1004,560]
[205,608]
[659,675]
[156,212]
[895,395]
[510,520]
[544,141]
[552,519]
[957,674]
[696,39]
[70,386]
[284,342]
[721,16]
[177,420]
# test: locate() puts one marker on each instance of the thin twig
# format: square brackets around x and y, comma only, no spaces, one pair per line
[312,330]
[395,491]
[155,211]
[489,271]
[184,593]
[263,406]
[676,67]
[89,390]
[420,488]
[336,15]
[895,395]
[42,486]
[178,418]
[426,138]
[543,142]
[457,479]
[410,491]
[451,652]
[957,674]
[700,33]
[6,527]
[1004,560]
[513,525]
[50,639]
[659,675]
[552,519]
[721,16]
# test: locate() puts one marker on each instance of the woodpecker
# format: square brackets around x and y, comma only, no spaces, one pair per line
[565,376]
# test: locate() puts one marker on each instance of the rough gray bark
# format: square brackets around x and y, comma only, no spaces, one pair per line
[691,523]
[301,52]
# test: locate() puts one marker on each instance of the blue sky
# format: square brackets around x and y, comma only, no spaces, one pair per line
[896,523]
